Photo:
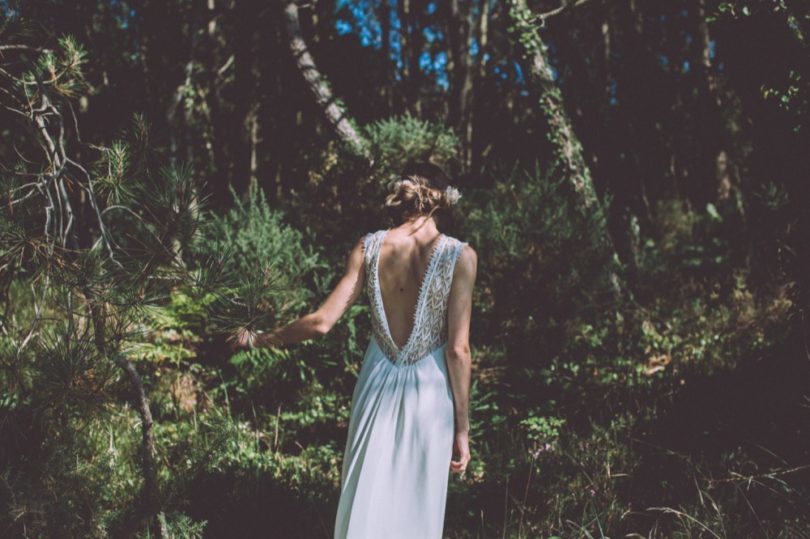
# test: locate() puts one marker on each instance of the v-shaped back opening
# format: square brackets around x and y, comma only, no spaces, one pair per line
[426,276]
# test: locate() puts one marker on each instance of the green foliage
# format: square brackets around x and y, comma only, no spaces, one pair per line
[345,193]
[535,244]
[395,141]
[61,69]
[265,257]
[526,25]
[180,526]
[542,431]
[679,413]
[254,236]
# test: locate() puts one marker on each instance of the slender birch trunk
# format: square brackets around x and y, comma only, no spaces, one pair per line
[318,85]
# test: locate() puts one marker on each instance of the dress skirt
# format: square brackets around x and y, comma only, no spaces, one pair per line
[396,463]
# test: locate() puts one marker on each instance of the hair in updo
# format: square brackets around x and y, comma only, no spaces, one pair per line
[421,189]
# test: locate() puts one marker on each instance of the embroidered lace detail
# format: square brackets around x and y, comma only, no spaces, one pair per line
[381,335]
[430,315]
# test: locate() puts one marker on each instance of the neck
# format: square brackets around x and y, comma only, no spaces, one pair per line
[422,223]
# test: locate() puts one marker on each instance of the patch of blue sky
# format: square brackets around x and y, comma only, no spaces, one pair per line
[519,72]
[360,18]
[393,40]
[365,24]
[431,34]
[343,27]
[123,19]
[9,12]
[435,65]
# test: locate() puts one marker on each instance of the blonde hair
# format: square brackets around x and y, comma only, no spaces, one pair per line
[416,194]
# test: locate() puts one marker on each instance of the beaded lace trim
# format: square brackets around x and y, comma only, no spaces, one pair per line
[430,314]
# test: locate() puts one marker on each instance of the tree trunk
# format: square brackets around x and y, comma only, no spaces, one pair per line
[385,31]
[639,107]
[151,491]
[712,136]
[255,139]
[567,151]
[410,35]
[245,27]
[318,85]
[607,51]
[214,131]
[704,42]
[482,37]
[460,34]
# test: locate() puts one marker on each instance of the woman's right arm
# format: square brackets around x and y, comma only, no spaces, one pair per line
[457,351]
[321,321]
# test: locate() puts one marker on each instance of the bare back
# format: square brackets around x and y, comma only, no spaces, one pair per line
[404,261]
[410,274]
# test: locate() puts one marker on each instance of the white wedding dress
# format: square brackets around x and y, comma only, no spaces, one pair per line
[400,442]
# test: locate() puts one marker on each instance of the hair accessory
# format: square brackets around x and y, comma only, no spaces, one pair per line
[451,194]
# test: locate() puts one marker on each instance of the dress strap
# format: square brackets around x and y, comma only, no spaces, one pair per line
[371,246]
[447,269]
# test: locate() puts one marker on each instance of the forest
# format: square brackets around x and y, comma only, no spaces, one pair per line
[634,177]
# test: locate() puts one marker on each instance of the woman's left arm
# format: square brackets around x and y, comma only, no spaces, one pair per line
[321,320]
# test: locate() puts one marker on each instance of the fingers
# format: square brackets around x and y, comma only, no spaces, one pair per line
[458,466]
[239,340]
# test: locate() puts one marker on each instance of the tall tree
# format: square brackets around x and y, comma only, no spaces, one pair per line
[461,31]
[318,85]
[99,290]
[712,152]
[568,159]
[410,44]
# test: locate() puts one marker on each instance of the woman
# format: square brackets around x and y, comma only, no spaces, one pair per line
[409,416]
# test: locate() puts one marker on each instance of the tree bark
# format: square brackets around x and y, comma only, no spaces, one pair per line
[704,42]
[318,85]
[566,148]
[460,35]
[244,27]
[639,105]
[607,52]
[712,136]
[151,491]
[385,34]
[410,41]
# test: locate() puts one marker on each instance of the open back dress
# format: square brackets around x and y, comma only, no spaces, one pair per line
[400,441]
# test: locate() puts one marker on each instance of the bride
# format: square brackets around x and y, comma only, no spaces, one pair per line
[409,422]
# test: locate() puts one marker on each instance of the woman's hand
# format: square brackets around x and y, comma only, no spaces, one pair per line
[316,323]
[271,339]
[461,450]
[244,339]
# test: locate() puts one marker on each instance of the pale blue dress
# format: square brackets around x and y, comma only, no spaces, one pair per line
[397,459]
